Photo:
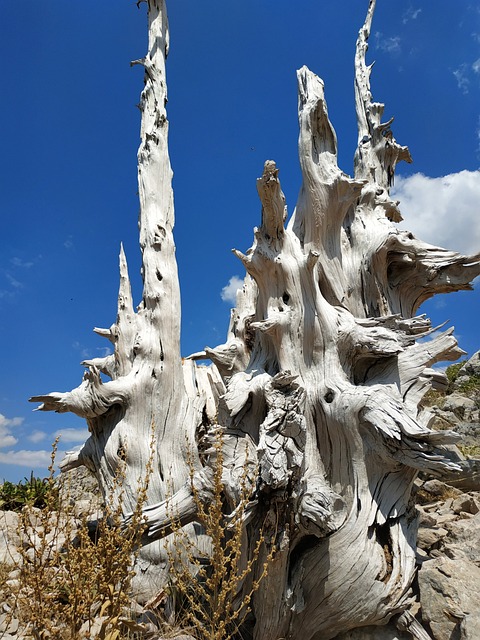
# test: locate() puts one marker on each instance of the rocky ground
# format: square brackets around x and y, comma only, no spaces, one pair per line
[448,582]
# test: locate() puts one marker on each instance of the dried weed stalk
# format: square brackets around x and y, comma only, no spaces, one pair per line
[213,591]
[74,584]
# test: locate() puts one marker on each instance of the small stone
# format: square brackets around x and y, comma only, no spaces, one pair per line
[445,517]
[436,488]
[449,598]
[425,519]
[459,405]
[467,504]
[427,538]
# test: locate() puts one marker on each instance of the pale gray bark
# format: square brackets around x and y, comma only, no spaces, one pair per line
[317,388]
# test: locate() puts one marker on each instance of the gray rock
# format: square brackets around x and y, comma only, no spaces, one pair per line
[463,539]
[466,503]
[450,599]
[470,368]
[430,537]
[79,485]
[438,488]
[9,538]
[461,406]
[469,430]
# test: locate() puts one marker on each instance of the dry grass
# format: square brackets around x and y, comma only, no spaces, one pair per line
[213,591]
[470,450]
[71,586]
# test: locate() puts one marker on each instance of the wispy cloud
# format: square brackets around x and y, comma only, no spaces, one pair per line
[389,44]
[22,264]
[410,14]
[68,243]
[16,284]
[10,274]
[442,211]
[36,436]
[87,353]
[461,76]
[229,292]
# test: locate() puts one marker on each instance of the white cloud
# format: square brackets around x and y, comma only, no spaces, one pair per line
[390,45]
[72,435]
[411,14]
[476,66]
[16,284]
[87,352]
[461,76]
[443,211]
[229,292]
[24,458]
[7,439]
[18,262]
[36,436]
[68,243]
[10,422]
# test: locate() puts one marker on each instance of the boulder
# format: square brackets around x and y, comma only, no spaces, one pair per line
[469,369]
[460,405]
[463,540]
[9,538]
[449,598]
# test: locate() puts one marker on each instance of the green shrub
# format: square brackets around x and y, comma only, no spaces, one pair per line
[32,492]
[470,385]
[453,370]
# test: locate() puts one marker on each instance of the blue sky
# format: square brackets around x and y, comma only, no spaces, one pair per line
[70,132]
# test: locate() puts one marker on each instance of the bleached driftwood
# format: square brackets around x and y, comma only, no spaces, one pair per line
[317,388]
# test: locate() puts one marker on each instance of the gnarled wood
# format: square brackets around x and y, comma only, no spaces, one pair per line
[317,391]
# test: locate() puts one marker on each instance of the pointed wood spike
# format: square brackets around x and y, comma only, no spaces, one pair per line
[318,140]
[126,320]
[378,152]
[246,260]
[105,333]
[125,301]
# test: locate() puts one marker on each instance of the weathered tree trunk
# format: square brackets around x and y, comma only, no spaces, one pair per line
[317,389]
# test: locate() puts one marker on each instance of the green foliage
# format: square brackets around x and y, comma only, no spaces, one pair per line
[452,371]
[470,385]
[31,492]
[470,450]
[433,397]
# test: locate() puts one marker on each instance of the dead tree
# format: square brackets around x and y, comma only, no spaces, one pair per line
[317,390]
